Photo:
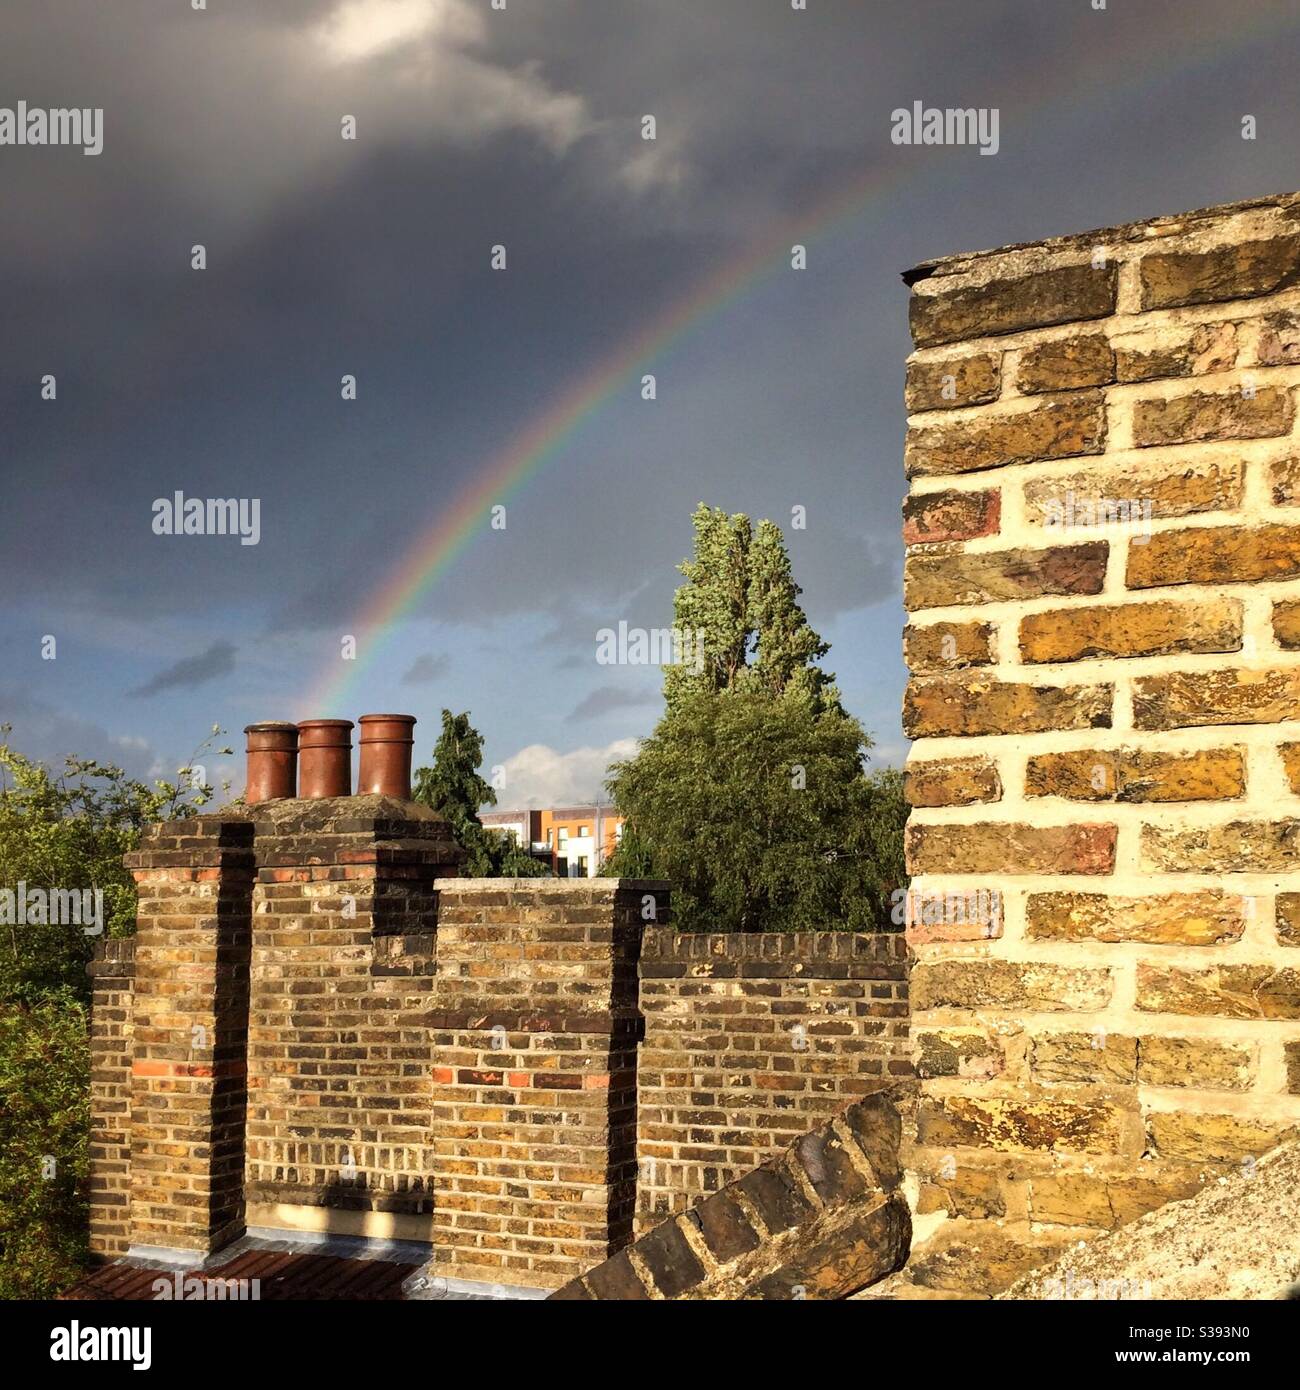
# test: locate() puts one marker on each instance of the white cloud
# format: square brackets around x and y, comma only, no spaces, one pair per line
[359,29]
[539,775]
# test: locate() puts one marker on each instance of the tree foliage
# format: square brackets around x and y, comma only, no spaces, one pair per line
[65,830]
[453,787]
[752,796]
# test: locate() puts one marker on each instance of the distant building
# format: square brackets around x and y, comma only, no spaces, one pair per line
[576,839]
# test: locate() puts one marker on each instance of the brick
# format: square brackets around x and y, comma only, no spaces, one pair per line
[669,1260]
[947,382]
[981,1261]
[930,518]
[1204,415]
[974,705]
[616,1279]
[1220,991]
[947,646]
[1010,849]
[967,1052]
[1097,1058]
[952,782]
[1203,918]
[876,1126]
[1176,351]
[1136,775]
[1196,1062]
[1080,1199]
[1286,624]
[1288,919]
[1066,364]
[1019,1123]
[778,1204]
[1190,699]
[1093,498]
[725,1228]
[1215,555]
[829,1167]
[965,577]
[1001,984]
[1129,630]
[1066,294]
[957,914]
[969,1192]
[1066,426]
[1290,756]
[1284,481]
[1202,1138]
[1279,339]
[1291,1052]
[1237,847]
[1241,270]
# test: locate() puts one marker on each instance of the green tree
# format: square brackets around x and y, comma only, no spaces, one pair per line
[69,830]
[752,795]
[740,604]
[60,831]
[453,787]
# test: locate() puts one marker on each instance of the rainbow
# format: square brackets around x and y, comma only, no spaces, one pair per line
[544,437]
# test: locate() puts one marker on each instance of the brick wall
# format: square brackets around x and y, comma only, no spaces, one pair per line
[189,1033]
[1104,724]
[113,973]
[340,1057]
[821,1219]
[535,1027]
[751,1041]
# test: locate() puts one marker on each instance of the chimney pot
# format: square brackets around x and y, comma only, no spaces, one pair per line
[325,747]
[272,761]
[386,744]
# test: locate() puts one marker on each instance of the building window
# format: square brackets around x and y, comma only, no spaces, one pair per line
[584,831]
[550,835]
[564,836]
[582,866]
[618,832]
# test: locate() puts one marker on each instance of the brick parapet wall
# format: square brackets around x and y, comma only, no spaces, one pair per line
[535,1026]
[189,1032]
[1104,722]
[340,1056]
[323,1032]
[112,971]
[750,1041]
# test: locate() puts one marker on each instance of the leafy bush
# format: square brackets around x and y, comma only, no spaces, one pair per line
[68,831]
[44,1129]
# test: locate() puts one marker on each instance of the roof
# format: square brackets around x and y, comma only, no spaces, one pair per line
[289,1269]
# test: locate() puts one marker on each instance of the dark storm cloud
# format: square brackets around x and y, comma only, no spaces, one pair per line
[190,672]
[370,258]
[427,668]
[41,731]
[611,697]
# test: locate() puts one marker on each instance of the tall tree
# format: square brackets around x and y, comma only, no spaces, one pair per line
[454,788]
[751,795]
[740,604]
[786,647]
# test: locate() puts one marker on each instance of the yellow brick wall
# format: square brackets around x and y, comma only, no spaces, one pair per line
[1105,770]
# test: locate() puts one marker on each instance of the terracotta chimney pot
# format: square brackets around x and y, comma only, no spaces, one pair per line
[386,744]
[272,761]
[325,748]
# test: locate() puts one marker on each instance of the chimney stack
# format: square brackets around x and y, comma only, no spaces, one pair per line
[386,744]
[272,761]
[325,746]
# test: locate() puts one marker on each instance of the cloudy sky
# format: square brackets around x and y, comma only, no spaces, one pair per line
[521,127]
